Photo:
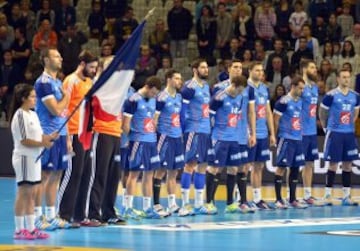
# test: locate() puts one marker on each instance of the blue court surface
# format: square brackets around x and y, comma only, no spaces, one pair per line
[316,228]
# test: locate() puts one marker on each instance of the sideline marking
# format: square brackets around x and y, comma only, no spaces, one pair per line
[50,248]
[227,225]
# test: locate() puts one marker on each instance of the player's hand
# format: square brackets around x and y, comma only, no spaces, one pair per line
[252,141]
[47,141]
[69,144]
[54,136]
[272,141]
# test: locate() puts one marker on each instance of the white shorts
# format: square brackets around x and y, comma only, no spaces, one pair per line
[26,170]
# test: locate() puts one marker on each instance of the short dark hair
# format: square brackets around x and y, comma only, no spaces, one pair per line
[342,70]
[21,91]
[87,57]
[197,62]
[152,82]
[239,81]
[305,63]
[170,73]
[297,80]
[253,64]
[236,60]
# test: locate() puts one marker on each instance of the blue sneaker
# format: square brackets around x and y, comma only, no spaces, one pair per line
[151,213]
[59,223]
[263,205]
[348,202]
[42,224]
[207,209]
[130,213]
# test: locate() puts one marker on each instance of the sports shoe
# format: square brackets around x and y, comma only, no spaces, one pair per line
[298,205]
[130,213]
[42,224]
[151,213]
[186,210]
[39,235]
[244,208]
[312,201]
[57,222]
[174,209]
[116,221]
[211,208]
[90,223]
[328,200]
[280,204]
[207,209]
[24,234]
[348,202]
[262,205]
[232,208]
[161,211]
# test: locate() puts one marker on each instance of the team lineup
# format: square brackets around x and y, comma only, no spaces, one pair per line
[188,127]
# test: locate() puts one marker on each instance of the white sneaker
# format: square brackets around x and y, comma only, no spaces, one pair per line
[186,210]
[161,211]
[174,209]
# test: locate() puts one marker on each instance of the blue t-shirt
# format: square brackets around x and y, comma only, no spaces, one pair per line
[227,112]
[142,111]
[309,101]
[341,109]
[169,108]
[47,87]
[196,103]
[290,123]
[220,86]
[124,141]
[248,97]
[262,99]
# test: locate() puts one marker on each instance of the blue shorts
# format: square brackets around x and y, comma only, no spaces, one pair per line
[143,156]
[56,158]
[171,152]
[225,153]
[260,152]
[244,153]
[340,147]
[197,146]
[290,153]
[124,158]
[310,147]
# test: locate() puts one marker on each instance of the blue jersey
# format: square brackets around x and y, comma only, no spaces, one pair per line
[196,103]
[220,86]
[169,119]
[142,111]
[48,87]
[262,99]
[341,109]
[290,122]
[248,96]
[227,110]
[309,101]
[124,141]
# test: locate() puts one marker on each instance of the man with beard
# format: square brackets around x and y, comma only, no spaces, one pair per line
[196,127]
[72,192]
[309,106]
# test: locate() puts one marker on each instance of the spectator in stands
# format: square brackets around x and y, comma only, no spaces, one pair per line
[327,74]
[223,20]
[96,21]
[357,11]
[206,33]
[241,4]
[311,42]
[235,50]
[200,5]
[247,60]
[45,36]
[29,16]
[283,12]
[320,8]
[293,71]
[70,48]
[16,19]
[328,53]
[146,66]
[265,23]
[279,51]
[301,52]
[165,66]
[180,22]
[346,21]
[333,29]
[9,77]
[8,33]
[278,73]
[349,67]
[260,53]
[355,38]
[64,16]
[278,93]
[223,67]
[124,26]
[21,49]
[113,11]
[244,28]
[296,21]
[159,40]
[348,56]
[45,13]
[319,30]
[106,50]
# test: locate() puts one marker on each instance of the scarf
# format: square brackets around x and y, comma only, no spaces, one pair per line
[242,22]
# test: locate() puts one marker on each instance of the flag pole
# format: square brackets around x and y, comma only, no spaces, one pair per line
[87,96]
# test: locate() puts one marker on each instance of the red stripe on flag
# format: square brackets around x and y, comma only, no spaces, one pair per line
[85,136]
[100,113]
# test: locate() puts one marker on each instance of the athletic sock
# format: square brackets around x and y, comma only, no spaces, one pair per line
[278,184]
[156,191]
[230,184]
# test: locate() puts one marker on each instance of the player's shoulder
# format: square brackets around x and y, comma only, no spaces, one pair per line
[355,93]
[333,92]
[220,95]
[285,99]
[191,84]
[135,97]
[71,79]
[162,96]
[45,79]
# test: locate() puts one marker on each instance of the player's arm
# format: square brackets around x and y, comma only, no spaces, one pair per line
[270,121]
[129,110]
[252,117]
[160,104]
[279,108]
[215,103]
[55,107]
[356,109]
[187,93]
[324,110]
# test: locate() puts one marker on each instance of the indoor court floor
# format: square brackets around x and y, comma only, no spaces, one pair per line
[316,228]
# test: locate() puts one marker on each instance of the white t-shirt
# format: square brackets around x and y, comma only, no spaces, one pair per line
[26,125]
[297,20]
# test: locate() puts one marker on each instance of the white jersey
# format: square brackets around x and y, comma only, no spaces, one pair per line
[26,125]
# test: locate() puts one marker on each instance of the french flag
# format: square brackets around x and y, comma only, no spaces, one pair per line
[106,97]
